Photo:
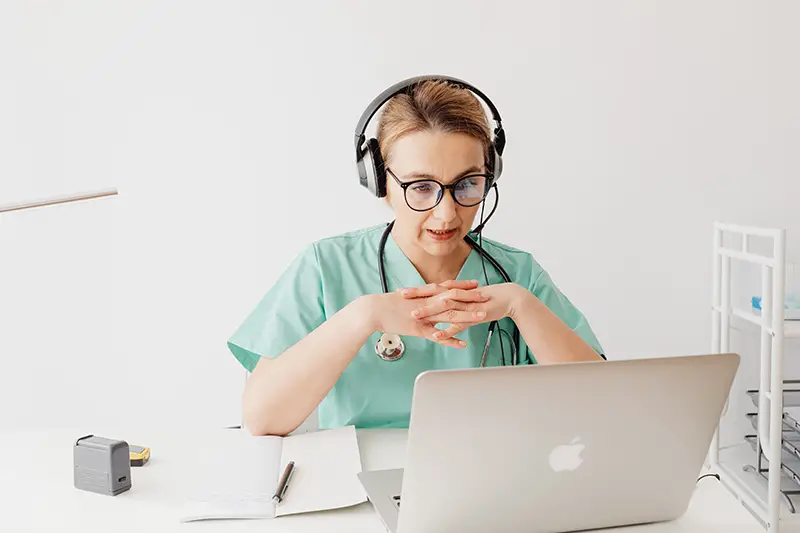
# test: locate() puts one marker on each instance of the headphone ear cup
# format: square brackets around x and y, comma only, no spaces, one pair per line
[495,164]
[498,165]
[378,170]
[371,172]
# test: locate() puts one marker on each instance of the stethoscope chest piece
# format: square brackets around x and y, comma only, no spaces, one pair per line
[390,347]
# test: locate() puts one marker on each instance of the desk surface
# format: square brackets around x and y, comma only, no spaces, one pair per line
[37,494]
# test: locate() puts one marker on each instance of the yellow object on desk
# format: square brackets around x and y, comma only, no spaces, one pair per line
[139,455]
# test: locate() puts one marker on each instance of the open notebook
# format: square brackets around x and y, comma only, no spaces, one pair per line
[234,474]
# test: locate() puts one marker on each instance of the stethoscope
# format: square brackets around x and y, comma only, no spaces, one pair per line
[390,347]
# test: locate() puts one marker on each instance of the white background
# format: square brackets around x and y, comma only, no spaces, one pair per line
[228,129]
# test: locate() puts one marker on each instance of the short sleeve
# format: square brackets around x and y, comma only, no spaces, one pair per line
[547,292]
[289,311]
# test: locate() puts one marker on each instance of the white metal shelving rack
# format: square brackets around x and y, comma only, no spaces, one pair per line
[762,496]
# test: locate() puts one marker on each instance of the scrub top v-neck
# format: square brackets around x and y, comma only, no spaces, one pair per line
[372,392]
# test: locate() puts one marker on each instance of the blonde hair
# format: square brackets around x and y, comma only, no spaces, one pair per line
[433,105]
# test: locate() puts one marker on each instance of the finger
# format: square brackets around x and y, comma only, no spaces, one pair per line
[457,299]
[442,305]
[424,291]
[452,316]
[437,306]
[462,295]
[431,332]
[459,284]
[451,343]
[432,289]
[448,332]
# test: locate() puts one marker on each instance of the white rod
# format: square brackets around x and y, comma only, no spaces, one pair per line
[722,338]
[752,258]
[779,283]
[752,317]
[725,305]
[752,230]
[764,396]
[57,200]
[776,387]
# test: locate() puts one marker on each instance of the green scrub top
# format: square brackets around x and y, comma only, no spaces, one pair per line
[373,393]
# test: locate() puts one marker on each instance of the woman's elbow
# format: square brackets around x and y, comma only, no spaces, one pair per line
[258,422]
[258,418]
[255,409]
[252,420]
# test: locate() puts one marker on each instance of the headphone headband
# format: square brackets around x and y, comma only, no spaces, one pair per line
[404,85]
[370,163]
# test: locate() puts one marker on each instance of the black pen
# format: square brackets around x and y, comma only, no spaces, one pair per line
[283,483]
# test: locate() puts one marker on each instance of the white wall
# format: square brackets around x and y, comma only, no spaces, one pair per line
[227,128]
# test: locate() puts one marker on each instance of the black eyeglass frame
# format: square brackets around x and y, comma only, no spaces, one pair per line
[406,184]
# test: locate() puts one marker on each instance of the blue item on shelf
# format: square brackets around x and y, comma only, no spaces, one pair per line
[791,308]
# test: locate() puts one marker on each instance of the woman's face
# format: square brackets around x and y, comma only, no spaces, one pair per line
[444,157]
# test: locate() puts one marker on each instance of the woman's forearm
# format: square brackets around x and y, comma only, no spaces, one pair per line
[546,334]
[282,392]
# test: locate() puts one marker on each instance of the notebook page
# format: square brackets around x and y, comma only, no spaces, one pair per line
[234,475]
[327,464]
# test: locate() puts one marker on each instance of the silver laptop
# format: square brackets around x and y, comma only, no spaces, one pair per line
[554,448]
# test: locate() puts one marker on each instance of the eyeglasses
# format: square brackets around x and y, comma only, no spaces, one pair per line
[425,194]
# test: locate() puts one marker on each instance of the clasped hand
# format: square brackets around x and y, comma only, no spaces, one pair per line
[461,304]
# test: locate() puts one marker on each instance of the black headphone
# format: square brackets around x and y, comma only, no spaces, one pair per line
[371,170]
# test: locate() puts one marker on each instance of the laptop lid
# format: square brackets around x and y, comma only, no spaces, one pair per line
[557,448]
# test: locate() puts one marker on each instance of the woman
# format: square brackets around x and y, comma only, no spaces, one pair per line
[317,337]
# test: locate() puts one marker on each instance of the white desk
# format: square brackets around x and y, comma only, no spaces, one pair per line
[36,492]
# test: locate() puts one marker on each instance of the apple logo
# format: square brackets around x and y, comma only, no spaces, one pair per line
[567,457]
